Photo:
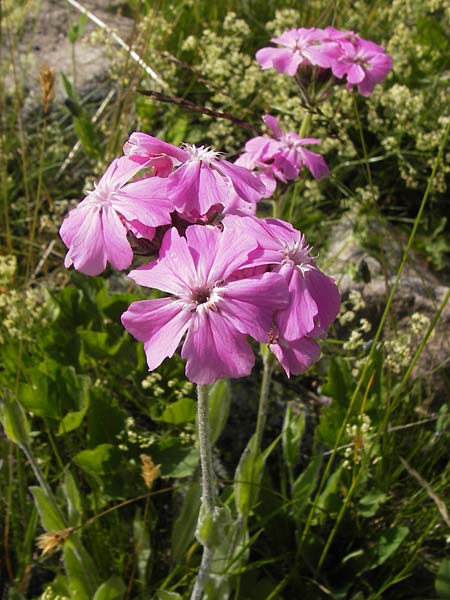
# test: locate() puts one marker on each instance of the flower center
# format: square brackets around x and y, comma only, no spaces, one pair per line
[289,142]
[99,196]
[201,152]
[205,298]
[201,296]
[298,252]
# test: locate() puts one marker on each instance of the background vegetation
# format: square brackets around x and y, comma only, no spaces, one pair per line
[352,503]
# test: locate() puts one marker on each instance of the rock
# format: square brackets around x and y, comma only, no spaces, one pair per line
[420,290]
[44,41]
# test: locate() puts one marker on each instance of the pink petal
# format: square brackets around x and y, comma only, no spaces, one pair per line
[183,187]
[355,74]
[122,170]
[87,249]
[174,269]
[160,323]
[256,147]
[213,189]
[247,186]
[235,245]
[146,201]
[297,356]
[281,59]
[325,293]
[73,223]
[340,68]
[118,249]
[315,163]
[322,55]
[273,124]
[146,145]
[250,304]
[289,38]
[297,319]
[215,350]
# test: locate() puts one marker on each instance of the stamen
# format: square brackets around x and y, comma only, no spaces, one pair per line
[201,152]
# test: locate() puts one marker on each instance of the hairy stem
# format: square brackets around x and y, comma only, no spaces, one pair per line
[209,493]
[204,440]
[264,397]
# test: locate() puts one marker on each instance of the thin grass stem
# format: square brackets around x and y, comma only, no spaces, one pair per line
[377,336]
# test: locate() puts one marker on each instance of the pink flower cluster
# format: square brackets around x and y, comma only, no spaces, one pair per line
[228,274]
[281,157]
[362,62]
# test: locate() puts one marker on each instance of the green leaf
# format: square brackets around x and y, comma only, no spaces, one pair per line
[51,518]
[340,384]
[371,502]
[293,428]
[181,411]
[213,526]
[388,543]
[304,486]
[442,582]
[230,555]
[328,497]
[142,546]
[76,30]
[73,499]
[99,461]
[105,418]
[112,589]
[80,579]
[247,479]
[36,398]
[14,421]
[87,135]
[164,595]
[97,344]
[183,530]
[77,387]
[176,460]
[219,408]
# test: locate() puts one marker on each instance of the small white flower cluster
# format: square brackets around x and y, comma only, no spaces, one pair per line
[20,310]
[49,594]
[399,350]
[179,389]
[358,435]
[354,303]
[132,435]
[8,266]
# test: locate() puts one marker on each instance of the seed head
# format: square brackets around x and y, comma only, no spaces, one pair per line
[53,540]
[149,470]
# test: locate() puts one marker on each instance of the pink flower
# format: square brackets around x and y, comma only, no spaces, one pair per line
[201,179]
[204,180]
[284,155]
[95,232]
[363,62]
[314,299]
[298,47]
[215,312]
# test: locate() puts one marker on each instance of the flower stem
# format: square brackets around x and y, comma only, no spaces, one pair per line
[306,125]
[209,493]
[204,440]
[268,361]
